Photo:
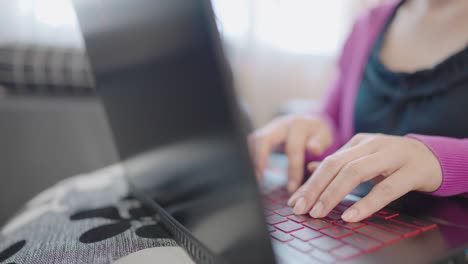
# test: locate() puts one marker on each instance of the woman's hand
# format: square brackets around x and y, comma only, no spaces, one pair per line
[299,133]
[401,164]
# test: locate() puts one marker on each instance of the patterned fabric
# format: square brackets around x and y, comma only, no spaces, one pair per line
[36,70]
[85,219]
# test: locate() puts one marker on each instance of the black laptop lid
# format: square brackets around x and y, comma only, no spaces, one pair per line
[161,75]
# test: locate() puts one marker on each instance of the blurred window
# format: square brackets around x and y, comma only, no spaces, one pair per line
[295,26]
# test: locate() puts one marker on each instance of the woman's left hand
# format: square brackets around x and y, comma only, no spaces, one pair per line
[401,164]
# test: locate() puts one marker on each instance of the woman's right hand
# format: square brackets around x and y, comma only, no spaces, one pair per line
[299,133]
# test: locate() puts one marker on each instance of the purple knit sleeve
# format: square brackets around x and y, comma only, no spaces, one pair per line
[452,154]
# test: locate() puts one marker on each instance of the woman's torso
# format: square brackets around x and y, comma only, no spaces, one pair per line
[415,83]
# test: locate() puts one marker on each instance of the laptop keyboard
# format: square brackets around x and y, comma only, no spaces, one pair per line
[330,239]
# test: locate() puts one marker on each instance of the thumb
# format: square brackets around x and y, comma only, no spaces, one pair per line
[318,143]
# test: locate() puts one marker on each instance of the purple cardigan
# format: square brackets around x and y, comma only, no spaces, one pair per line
[339,105]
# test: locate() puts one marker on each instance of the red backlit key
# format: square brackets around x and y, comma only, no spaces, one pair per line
[283,200]
[347,225]
[346,252]
[333,216]
[362,242]
[336,231]
[379,234]
[394,227]
[387,213]
[273,206]
[422,224]
[325,243]
[281,236]
[271,229]
[316,224]
[300,245]
[288,226]
[306,234]
[267,212]
[322,256]
[341,208]
[346,203]
[285,211]
[300,218]
[275,219]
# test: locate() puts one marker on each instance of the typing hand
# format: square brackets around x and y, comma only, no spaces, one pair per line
[403,164]
[299,133]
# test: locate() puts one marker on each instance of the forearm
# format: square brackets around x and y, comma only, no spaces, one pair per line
[452,154]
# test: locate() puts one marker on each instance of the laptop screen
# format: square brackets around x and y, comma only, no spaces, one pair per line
[160,73]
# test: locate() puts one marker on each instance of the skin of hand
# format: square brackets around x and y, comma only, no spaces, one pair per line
[299,133]
[399,164]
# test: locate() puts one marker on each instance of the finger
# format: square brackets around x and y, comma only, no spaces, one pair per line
[390,189]
[318,143]
[324,174]
[304,190]
[355,140]
[295,150]
[354,173]
[265,140]
[312,166]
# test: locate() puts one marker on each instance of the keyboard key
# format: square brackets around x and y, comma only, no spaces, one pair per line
[285,211]
[267,212]
[300,245]
[306,234]
[379,234]
[340,208]
[387,213]
[288,226]
[346,203]
[316,224]
[273,206]
[282,200]
[346,252]
[275,219]
[322,256]
[271,229]
[362,242]
[280,191]
[422,224]
[351,226]
[300,218]
[336,231]
[281,236]
[333,216]
[394,227]
[325,243]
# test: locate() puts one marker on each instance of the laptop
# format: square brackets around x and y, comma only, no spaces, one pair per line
[168,94]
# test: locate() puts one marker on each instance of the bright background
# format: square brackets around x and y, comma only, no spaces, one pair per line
[283,52]
[279,50]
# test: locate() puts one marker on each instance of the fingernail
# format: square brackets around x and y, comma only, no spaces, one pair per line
[317,210]
[300,206]
[350,215]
